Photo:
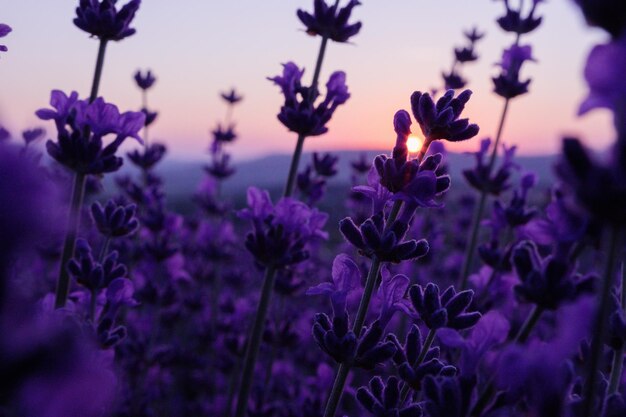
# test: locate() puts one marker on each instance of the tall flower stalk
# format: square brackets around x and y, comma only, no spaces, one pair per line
[407,181]
[105,22]
[302,116]
[507,85]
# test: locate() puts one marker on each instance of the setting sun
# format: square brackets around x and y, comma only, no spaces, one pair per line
[414,144]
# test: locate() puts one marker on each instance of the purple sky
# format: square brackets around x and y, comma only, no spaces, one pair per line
[198,48]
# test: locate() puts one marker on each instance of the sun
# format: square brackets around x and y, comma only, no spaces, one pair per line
[414,144]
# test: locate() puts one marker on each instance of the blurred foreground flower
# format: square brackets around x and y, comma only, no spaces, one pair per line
[4,31]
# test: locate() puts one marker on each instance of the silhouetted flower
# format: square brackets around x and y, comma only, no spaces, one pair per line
[81,127]
[115,220]
[232,97]
[144,81]
[100,18]
[220,167]
[4,31]
[329,22]
[508,84]
[299,114]
[441,121]
[224,134]
[474,35]
[465,54]
[610,15]
[453,80]
[513,21]
[445,310]
[150,116]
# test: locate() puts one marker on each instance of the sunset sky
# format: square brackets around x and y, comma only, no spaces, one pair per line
[198,48]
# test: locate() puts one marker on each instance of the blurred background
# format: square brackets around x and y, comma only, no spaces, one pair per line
[198,48]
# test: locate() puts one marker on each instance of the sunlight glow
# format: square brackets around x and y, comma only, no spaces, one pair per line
[414,144]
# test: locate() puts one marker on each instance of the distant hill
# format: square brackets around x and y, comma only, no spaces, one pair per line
[182,177]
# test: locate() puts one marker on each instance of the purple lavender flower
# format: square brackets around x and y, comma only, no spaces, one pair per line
[513,21]
[299,114]
[91,274]
[547,282]
[610,15]
[100,18]
[441,120]
[391,292]
[372,238]
[465,54]
[453,80]
[231,97]
[480,176]
[448,396]
[32,135]
[603,72]
[474,35]
[147,158]
[361,165]
[150,116]
[224,134]
[346,278]
[325,165]
[508,84]
[329,22]
[144,81]
[220,167]
[383,400]
[445,310]
[4,31]
[115,220]
[281,232]
[407,356]
[81,127]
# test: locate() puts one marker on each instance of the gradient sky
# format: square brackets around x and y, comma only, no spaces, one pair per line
[198,48]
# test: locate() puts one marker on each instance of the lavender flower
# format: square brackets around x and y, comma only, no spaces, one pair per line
[448,396]
[144,81]
[391,292]
[299,114]
[445,310]
[115,220]
[474,35]
[481,178]
[325,165]
[32,135]
[441,121]
[220,167]
[148,157]
[224,134]
[232,97]
[4,31]
[513,21]
[281,232]
[508,84]
[100,18]
[546,282]
[81,127]
[603,73]
[91,274]
[453,80]
[329,22]
[384,400]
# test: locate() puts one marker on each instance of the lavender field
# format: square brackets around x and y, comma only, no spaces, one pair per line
[420,281]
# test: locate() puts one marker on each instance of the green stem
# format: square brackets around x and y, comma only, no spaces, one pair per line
[252,349]
[600,327]
[95,85]
[63,285]
[430,338]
